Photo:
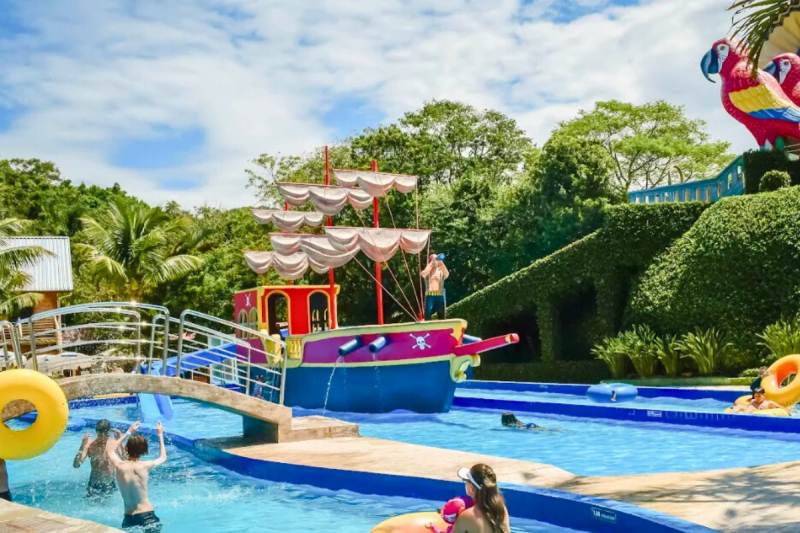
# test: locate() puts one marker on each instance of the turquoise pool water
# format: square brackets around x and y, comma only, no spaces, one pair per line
[582,446]
[191,496]
[662,403]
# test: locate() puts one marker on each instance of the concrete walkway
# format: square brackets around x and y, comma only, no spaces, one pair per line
[21,519]
[743,500]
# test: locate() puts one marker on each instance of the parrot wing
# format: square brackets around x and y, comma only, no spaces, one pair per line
[763,98]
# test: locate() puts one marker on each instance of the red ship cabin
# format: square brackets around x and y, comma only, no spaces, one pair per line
[287,309]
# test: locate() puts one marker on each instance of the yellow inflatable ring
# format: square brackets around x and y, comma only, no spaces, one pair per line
[411,523]
[743,400]
[52,413]
[762,412]
[779,371]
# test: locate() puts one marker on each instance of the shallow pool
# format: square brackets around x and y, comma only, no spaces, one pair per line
[706,405]
[579,445]
[191,496]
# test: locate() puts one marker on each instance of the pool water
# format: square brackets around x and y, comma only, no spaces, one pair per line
[191,496]
[584,446]
[662,403]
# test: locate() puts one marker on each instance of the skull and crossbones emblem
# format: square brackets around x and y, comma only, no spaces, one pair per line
[421,343]
[247,300]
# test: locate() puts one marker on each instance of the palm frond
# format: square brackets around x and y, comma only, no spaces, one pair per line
[754,20]
[16,302]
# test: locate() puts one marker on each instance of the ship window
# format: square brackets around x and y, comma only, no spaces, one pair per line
[318,305]
[719,190]
[253,319]
[277,313]
[243,321]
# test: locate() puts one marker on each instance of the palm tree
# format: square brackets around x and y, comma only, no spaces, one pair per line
[12,261]
[136,247]
[754,20]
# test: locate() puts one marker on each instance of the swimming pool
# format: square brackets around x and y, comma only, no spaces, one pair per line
[705,405]
[583,446]
[191,496]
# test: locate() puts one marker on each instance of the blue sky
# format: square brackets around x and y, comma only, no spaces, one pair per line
[172,100]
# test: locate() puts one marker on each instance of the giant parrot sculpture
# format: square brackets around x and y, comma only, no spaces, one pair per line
[786,69]
[759,102]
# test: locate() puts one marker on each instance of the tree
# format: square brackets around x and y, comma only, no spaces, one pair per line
[650,145]
[133,247]
[13,279]
[444,140]
[754,21]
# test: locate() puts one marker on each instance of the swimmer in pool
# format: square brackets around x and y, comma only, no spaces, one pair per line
[510,421]
[758,403]
[101,478]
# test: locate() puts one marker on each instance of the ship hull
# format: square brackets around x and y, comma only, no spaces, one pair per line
[422,387]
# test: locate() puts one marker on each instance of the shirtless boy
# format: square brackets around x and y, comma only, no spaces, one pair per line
[758,403]
[101,478]
[436,272]
[132,477]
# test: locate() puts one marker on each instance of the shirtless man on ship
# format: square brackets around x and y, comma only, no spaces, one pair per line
[436,273]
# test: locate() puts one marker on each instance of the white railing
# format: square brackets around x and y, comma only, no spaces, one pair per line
[106,336]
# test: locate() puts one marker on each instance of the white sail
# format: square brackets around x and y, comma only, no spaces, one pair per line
[328,199]
[376,184]
[379,244]
[288,220]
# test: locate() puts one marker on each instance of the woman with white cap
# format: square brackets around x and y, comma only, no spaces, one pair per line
[489,514]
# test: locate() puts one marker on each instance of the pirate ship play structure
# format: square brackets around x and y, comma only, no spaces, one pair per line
[377,368]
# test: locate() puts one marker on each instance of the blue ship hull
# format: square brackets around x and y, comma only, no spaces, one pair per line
[420,387]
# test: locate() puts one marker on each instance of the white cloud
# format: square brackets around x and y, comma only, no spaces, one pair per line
[258,75]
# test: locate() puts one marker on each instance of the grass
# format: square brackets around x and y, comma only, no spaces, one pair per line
[684,382]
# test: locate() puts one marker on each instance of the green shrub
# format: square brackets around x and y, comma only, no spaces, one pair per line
[630,237]
[613,351]
[751,373]
[759,162]
[545,372]
[774,180]
[669,354]
[781,339]
[736,269]
[707,348]
[640,345]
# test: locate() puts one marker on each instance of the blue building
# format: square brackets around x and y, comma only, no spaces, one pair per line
[729,182]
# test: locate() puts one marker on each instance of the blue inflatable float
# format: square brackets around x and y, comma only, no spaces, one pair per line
[612,393]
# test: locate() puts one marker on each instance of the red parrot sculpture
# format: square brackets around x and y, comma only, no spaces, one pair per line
[759,102]
[786,69]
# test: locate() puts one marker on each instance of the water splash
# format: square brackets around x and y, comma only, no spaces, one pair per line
[378,386]
[330,382]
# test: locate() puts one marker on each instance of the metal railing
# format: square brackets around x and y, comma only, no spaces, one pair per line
[136,337]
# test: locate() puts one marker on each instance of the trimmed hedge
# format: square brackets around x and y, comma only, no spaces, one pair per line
[759,162]
[737,270]
[545,372]
[632,234]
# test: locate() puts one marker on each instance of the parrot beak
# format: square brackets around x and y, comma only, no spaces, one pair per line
[710,64]
[772,69]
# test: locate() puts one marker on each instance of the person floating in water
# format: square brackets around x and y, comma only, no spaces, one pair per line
[132,478]
[435,272]
[5,493]
[101,478]
[509,420]
[758,403]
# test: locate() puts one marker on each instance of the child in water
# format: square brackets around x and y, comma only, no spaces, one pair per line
[511,421]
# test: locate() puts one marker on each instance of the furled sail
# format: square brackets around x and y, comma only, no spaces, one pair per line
[289,220]
[379,244]
[376,184]
[328,199]
[289,267]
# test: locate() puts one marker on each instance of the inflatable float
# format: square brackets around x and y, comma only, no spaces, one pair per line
[411,523]
[787,395]
[612,393]
[52,413]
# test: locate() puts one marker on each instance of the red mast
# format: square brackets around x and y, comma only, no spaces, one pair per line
[328,223]
[377,224]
